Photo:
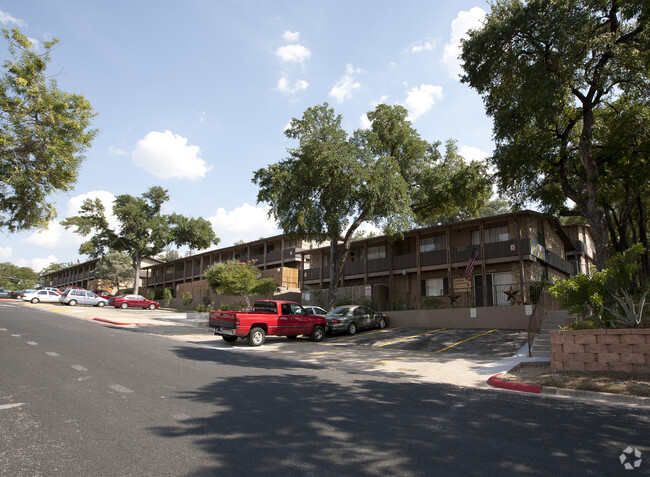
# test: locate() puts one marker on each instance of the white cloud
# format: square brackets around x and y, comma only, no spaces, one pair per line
[420,46]
[167,155]
[364,121]
[5,19]
[293,53]
[246,223]
[38,264]
[5,253]
[472,153]
[464,21]
[117,151]
[344,87]
[286,87]
[420,100]
[291,35]
[54,237]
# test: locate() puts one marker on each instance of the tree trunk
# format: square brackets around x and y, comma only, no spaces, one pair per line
[595,215]
[136,279]
[643,237]
[337,260]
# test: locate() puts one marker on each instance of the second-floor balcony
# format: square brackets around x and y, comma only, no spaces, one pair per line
[507,250]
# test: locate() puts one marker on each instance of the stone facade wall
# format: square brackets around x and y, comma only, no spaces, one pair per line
[624,350]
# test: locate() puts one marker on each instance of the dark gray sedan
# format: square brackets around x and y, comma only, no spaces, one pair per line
[351,318]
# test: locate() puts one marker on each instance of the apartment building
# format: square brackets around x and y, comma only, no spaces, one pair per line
[492,261]
[83,275]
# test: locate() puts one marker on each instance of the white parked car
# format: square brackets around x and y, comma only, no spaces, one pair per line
[47,296]
[315,310]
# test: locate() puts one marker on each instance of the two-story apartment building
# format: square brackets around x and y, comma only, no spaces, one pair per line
[433,267]
[83,275]
[277,257]
[425,268]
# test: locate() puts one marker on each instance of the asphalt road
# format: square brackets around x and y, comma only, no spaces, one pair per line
[81,398]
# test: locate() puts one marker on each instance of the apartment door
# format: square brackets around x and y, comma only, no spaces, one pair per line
[501,283]
[496,285]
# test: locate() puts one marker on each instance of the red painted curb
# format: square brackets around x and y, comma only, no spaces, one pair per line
[118,323]
[494,381]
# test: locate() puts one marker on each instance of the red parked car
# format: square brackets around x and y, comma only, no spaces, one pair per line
[103,293]
[132,301]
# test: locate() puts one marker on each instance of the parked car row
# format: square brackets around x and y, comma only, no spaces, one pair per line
[342,319]
[78,296]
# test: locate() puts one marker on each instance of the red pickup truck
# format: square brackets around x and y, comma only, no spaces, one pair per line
[268,317]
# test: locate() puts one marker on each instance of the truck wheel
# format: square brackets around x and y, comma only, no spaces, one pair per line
[229,339]
[382,323]
[317,333]
[352,328]
[292,337]
[256,336]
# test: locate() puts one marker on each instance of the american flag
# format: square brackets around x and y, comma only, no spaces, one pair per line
[470,263]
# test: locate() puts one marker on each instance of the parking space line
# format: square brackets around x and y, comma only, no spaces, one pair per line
[409,337]
[460,342]
[364,334]
[413,355]
[348,338]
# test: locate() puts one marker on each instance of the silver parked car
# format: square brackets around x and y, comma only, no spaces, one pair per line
[74,296]
[351,318]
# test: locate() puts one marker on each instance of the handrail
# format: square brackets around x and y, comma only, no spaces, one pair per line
[545,303]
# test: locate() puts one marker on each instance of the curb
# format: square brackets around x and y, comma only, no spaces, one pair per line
[494,381]
[604,398]
[104,320]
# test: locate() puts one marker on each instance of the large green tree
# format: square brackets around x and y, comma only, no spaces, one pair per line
[545,69]
[43,134]
[624,158]
[14,277]
[114,267]
[331,183]
[143,230]
[235,278]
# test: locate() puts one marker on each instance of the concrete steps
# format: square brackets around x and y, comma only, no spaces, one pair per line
[554,320]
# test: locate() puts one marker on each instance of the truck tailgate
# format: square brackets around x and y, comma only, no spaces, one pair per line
[222,319]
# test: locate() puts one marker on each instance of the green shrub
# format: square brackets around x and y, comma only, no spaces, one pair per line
[167,296]
[606,297]
[582,325]
[431,303]
[187,298]
[205,308]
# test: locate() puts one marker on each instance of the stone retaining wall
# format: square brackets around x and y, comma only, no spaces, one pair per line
[624,350]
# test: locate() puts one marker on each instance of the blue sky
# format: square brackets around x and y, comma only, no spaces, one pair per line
[194,96]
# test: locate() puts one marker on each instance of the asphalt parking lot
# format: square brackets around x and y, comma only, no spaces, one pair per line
[484,343]
[464,357]
[473,342]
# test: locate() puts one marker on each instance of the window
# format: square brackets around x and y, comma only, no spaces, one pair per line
[297,310]
[431,244]
[476,237]
[434,286]
[497,234]
[375,253]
